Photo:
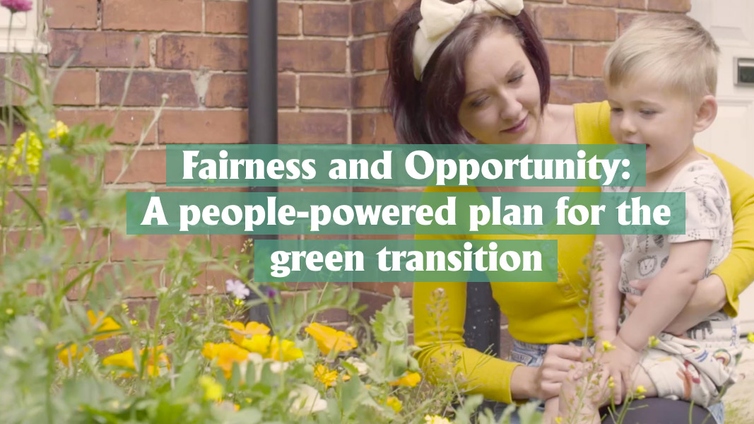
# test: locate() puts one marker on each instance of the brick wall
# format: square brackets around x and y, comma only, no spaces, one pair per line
[331,71]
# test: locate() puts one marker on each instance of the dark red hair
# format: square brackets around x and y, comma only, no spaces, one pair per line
[426,111]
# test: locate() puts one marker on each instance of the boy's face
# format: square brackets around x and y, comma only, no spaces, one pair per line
[645,113]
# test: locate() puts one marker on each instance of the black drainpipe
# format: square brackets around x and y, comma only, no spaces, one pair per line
[262,77]
[482,314]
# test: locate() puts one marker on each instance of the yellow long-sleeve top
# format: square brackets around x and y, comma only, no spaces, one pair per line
[550,312]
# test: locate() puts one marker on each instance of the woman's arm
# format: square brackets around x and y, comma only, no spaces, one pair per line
[439,312]
[737,270]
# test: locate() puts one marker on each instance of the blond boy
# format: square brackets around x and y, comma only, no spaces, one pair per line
[661,78]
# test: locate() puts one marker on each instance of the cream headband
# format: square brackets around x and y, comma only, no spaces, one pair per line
[439,19]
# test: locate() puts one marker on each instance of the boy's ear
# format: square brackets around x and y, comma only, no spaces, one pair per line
[705,113]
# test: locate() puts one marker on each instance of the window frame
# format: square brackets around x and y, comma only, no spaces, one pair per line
[25,34]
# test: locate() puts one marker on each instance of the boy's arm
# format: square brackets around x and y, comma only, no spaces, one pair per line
[667,294]
[605,294]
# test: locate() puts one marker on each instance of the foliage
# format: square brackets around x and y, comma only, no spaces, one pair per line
[77,348]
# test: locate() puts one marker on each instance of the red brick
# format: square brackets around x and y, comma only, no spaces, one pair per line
[633,4]
[226,17]
[367,90]
[230,90]
[194,52]
[372,128]
[147,166]
[576,23]
[315,128]
[76,87]
[146,88]
[73,14]
[127,129]
[334,317]
[362,55]
[587,60]
[327,19]
[98,49]
[372,16]
[13,203]
[146,247]
[380,53]
[311,55]
[625,19]
[574,91]
[325,92]
[204,126]
[286,90]
[670,5]
[603,3]
[149,15]
[373,302]
[288,18]
[131,279]
[79,249]
[19,74]
[227,244]
[363,17]
[560,58]
[214,279]
[227,90]
[406,289]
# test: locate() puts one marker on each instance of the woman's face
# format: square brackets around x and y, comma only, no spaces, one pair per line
[501,104]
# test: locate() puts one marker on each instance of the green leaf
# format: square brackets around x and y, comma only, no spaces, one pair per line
[186,381]
[33,209]
[391,323]
[245,416]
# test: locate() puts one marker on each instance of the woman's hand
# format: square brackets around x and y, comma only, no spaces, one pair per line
[709,297]
[545,380]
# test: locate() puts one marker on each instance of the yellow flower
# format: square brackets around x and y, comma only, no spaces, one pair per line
[325,375]
[212,389]
[283,350]
[126,359]
[394,403]
[611,382]
[409,380]
[640,390]
[558,420]
[259,343]
[72,354]
[239,331]
[28,147]
[108,326]
[329,339]
[653,341]
[59,130]
[226,355]
[435,419]
[750,337]
[607,346]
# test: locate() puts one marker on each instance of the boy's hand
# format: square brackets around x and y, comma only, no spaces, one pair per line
[619,360]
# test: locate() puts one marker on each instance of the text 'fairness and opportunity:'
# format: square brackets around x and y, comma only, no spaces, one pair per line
[437,216]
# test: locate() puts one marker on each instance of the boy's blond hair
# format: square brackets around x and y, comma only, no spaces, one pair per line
[673,50]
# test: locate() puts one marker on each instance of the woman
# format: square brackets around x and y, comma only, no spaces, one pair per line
[477,72]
